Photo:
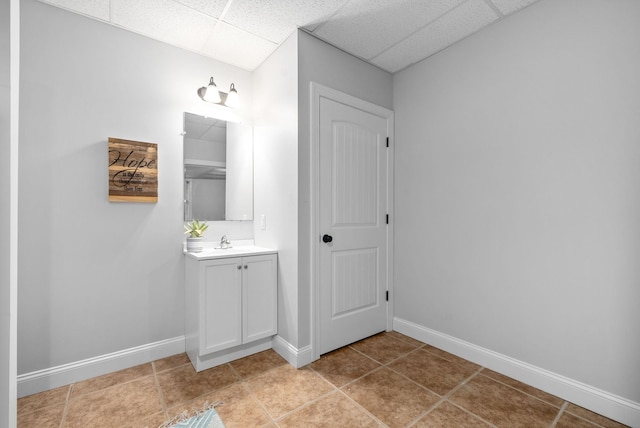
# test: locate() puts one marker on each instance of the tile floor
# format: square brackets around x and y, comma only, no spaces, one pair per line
[388,380]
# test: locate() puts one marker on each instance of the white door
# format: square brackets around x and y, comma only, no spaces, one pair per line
[352,220]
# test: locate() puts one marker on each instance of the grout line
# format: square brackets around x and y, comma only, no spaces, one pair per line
[559,415]
[458,406]
[460,386]
[163,403]
[244,384]
[363,409]
[441,398]
[237,373]
[104,388]
[581,417]
[187,403]
[388,362]
[524,392]
[304,405]
[351,382]
[66,406]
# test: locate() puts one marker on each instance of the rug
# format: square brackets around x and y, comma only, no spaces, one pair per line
[205,418]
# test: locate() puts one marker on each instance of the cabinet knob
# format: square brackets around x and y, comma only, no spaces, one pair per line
[239,267]
[246,267]
[327,238]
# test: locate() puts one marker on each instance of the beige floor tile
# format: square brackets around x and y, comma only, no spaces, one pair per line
[123,405]
[343,366]
[593,417]
[111,379]
[502,405]
[551,399]
[407,339]
[47,417]
[236,407]
[447,415]
[183,383]
[48,398]
[171,362]
[567,420]
[334,410]
[285,388]
[448,356]
[258,363]
[149,421]
[383,348]
[431,371]
[393,399]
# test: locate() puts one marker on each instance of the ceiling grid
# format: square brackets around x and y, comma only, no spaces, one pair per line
[391,34]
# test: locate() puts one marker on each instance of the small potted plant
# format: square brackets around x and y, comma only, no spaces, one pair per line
[195,229]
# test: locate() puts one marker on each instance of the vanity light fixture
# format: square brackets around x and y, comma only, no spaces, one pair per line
[211,94]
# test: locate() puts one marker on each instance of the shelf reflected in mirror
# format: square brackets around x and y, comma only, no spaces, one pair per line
[218,169]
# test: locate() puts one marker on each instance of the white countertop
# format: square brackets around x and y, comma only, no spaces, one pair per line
[235,251]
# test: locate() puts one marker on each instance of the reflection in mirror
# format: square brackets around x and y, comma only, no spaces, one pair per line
[218,169]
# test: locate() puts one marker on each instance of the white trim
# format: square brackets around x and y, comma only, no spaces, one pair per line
[581,394]
[294,356]
[14,138]
[221,357]
[320,91]
[43,380]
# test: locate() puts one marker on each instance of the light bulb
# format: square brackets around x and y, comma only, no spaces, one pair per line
[212,95]
[233,99]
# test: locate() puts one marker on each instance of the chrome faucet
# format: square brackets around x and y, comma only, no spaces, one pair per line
[224,242]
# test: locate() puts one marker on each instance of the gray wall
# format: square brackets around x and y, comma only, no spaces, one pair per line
[276,174]
[518,191]
[99,277]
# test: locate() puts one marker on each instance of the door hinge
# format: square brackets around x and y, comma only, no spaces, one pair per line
[387,141]
[387,295]
[387,218]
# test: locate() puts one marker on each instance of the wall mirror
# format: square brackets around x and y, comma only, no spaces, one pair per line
[218,169]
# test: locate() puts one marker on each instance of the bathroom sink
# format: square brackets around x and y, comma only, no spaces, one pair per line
[233,251]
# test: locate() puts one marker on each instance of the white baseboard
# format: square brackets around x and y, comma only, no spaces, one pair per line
[583,395]
[228,355]
[43,380]
[294,356]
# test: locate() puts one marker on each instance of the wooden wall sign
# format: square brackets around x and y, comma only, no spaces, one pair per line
[133,171]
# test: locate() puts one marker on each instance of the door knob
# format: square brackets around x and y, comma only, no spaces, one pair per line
[327,238]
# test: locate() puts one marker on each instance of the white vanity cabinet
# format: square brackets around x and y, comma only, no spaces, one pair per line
[231,306]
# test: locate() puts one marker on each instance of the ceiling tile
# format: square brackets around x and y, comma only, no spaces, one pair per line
[369,27]
[275,20]
[236,47]
[164,20]
[209,7]
[95,8]
[509,6]
[462,21]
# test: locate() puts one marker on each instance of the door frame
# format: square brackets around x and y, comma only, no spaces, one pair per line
[319,91]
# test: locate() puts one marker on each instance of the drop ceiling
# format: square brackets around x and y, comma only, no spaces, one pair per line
[391,34]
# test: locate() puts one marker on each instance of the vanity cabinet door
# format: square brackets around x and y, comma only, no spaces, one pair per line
[220,304]
[259,285]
